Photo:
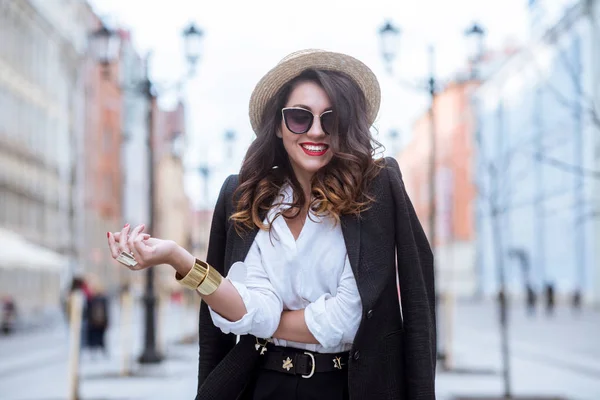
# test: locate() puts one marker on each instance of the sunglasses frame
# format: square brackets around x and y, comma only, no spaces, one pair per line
[312,121]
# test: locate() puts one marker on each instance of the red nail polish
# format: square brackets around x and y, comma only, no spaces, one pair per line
[108,234]
[126,225]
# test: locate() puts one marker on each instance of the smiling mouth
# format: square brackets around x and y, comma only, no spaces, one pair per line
[314,149]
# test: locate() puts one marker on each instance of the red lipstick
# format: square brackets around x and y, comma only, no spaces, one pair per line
[312,152]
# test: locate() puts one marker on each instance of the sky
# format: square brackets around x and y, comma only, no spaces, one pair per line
[244,39]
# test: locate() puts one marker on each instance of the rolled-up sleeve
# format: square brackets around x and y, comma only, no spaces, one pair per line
[334,320]
[263,305]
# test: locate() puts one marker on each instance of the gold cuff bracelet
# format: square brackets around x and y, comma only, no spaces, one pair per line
[195,277]
[211,282]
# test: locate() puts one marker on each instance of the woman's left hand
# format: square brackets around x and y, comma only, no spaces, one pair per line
[146,250]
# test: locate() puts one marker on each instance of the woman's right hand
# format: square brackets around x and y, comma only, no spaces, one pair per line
[146,250]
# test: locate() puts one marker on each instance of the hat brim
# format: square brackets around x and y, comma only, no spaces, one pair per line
[296,63]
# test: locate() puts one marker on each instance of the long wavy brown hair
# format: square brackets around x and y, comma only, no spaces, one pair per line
[339,188]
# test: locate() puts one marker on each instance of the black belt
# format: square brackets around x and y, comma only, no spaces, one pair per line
[299,362]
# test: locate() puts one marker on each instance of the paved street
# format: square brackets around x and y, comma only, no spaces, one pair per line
[553,356]
[33,366]
[557,356]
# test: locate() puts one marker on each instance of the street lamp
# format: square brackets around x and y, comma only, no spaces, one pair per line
[394,136]
[475,37]
[105,45]
[390,42]
[193,43]
[390,38]
[229,140]
[105,48]
[205,170]
[475,41]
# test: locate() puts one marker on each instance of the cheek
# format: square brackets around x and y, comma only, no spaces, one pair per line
[287,137]
[288,144]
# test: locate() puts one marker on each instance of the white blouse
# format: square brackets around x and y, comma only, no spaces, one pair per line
[312,273]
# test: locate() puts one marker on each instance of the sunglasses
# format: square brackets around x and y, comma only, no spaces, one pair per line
[299,120]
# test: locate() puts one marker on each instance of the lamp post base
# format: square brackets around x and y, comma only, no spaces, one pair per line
[150,356]
[441,356]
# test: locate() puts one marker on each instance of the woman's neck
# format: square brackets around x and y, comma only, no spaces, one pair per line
[305,180]
[306,189]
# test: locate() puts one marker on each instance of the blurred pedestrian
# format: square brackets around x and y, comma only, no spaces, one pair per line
[97,317]
[550,299]
[576,301]
[309,247]
[531,300]
[9,315]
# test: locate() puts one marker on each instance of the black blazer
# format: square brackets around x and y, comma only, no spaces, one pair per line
[394,351]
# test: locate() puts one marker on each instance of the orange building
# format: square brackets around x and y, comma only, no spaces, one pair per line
[102,164]
[455,189]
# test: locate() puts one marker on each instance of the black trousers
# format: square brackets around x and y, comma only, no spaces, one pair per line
[273,385]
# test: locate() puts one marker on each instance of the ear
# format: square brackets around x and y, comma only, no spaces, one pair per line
[278,133]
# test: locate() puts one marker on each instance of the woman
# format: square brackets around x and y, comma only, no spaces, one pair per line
[309,235]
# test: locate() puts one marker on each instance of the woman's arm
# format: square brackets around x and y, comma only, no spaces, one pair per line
[226,300]
[293,327]
[330,320]
[251,306]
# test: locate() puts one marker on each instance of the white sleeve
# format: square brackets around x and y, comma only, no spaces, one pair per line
[263,304]
[335,319]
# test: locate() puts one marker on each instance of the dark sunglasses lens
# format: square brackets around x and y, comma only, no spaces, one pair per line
[328,122]
[297,120]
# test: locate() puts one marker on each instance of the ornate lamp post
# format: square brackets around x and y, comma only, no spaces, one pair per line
[390,36]
[475,40]
[105,47]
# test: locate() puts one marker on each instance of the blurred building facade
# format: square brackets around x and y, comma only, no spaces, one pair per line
[135,145]
[538,142]
[101,160]
[173,215]
[74,153]
[41,109]
[455,226]
[202,220]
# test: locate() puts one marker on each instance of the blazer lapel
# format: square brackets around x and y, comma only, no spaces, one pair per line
[351,231]
[370,278]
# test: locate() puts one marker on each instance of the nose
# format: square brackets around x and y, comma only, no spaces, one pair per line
[316,130]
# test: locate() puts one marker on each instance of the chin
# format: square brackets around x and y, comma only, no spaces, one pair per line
[312,166]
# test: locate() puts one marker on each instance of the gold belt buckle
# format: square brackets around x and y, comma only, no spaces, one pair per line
[312,371]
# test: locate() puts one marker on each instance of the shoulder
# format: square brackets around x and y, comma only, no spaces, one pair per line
[392,167]
[390,173]
[229,186]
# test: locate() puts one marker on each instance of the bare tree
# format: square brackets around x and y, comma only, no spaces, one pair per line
[497,176]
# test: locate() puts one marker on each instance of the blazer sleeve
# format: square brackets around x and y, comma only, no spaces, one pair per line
[214,344]
[416,277]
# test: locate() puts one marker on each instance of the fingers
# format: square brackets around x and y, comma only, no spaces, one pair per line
[131,243]
[112,245]
[143,246]
[123,246]
[134,236]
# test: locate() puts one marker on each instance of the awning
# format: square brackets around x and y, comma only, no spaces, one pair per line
[18,252]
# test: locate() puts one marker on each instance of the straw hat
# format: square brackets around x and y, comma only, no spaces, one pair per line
[295,63]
